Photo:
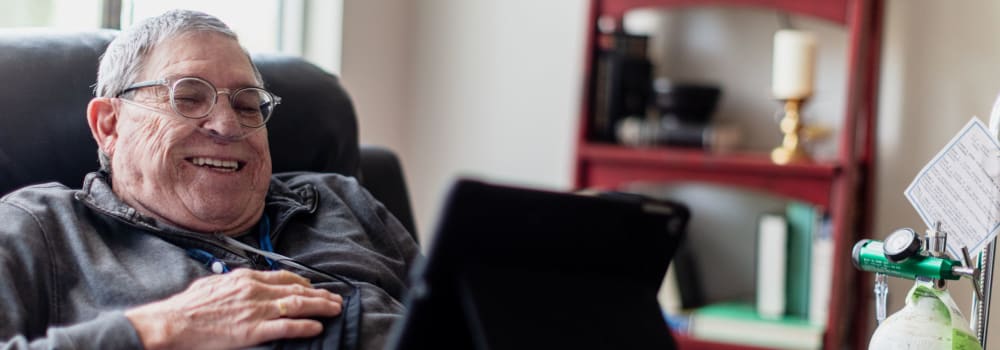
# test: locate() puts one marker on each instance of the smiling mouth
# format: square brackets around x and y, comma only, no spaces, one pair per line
[226,166]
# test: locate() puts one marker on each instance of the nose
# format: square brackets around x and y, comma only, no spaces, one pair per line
[222,124]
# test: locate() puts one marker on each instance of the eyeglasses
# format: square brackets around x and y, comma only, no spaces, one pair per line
[194,98]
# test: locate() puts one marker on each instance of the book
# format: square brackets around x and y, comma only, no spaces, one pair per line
[669,295]
[739,323]
[681,288]
[821,275]
[801,218]
[640,132]
[688,277]
[622,82]
[771,265]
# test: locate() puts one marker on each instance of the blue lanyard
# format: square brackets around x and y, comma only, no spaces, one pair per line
[265,240]
[219,266]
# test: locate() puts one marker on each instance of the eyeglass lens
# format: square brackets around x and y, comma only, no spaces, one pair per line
[195,98]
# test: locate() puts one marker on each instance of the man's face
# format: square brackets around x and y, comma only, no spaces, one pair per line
[155,157]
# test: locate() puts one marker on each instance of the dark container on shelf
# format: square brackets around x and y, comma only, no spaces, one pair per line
[687,103]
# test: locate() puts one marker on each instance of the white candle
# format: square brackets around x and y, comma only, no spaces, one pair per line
[794,62]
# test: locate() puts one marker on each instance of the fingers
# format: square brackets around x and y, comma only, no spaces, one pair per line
[277,284]
[288,328]
[287,295]
[298,306]
[272,277]
[296,289]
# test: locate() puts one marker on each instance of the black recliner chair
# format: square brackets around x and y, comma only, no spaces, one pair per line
[47,78]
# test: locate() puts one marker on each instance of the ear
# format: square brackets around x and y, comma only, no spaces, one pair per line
[102,116]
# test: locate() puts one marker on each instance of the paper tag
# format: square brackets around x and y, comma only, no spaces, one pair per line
[960,187]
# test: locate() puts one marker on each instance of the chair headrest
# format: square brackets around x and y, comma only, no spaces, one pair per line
[314,128]
[48,79]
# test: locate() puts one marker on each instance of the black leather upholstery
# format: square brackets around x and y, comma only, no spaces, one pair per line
[314,128]
[46,81]
[381,173]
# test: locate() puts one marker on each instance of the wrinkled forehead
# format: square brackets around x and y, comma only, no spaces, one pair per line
[214,57]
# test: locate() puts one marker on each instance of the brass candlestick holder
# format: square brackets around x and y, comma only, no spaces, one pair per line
[791,150]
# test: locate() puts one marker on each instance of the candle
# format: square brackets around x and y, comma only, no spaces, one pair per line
[794,61]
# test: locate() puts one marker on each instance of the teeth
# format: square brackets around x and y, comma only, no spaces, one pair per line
[217,163]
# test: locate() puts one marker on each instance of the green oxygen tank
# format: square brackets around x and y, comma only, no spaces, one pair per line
[930,319]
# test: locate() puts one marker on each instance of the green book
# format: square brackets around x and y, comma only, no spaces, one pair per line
[738,323]
[801,218]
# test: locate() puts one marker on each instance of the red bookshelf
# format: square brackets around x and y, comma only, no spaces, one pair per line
[687,343]
[842,185]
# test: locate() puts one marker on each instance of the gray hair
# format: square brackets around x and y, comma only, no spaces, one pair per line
[104,161]
[128,52]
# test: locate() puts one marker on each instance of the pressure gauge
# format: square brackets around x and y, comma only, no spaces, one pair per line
[901,245]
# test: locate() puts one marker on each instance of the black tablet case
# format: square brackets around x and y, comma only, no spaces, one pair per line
[517,268]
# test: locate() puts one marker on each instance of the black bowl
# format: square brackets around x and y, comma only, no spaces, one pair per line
[686,102]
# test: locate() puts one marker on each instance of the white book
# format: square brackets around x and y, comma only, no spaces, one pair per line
[669,295]
[821,274]
[772,255]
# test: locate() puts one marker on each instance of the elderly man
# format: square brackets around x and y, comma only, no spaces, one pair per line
[184,239]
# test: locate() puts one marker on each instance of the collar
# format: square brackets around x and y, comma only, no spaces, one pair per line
[281,203]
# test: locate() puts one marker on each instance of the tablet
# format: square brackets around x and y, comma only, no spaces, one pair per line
[520,268]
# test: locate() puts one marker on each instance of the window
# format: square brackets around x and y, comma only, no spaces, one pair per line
[77,14]
[306,28]
[259,30]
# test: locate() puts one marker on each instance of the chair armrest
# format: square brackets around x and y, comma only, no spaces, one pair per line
[382,175]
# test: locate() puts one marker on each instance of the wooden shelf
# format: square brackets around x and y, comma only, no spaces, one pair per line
[686,342]
[610,166]
[831,10]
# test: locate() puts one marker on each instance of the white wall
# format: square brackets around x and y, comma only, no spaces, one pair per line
[478,88]
[375,69]
[494,94]
[491,88]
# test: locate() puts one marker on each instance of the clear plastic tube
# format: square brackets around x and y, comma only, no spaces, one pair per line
[881,294]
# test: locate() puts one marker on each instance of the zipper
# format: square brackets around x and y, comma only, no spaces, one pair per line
[199,238]
[182,235]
